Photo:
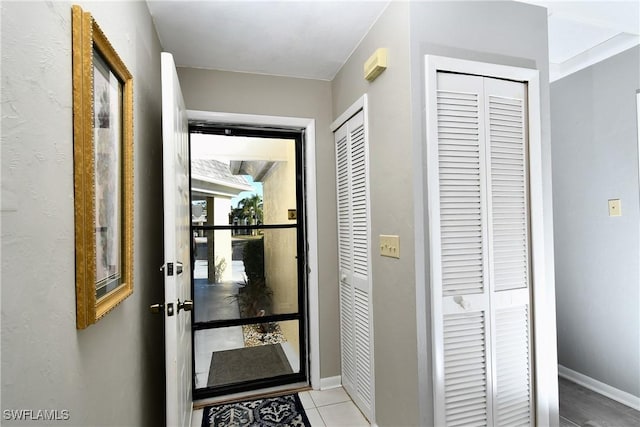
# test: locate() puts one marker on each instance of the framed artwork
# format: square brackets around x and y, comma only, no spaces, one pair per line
[103,171]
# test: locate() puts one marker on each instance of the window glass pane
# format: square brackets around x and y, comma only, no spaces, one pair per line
[245,275]
[237,354]
[243,180]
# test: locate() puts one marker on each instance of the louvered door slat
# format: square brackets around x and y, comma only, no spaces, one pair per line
[513,376]
[508,193]
[460,199]
[359,201]
[363,345]
[347,336]
[465,369]
[344,222]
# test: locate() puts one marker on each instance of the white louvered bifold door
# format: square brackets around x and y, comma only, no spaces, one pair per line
[345,259]
[508,205]
[463,250]
[356,332]
[480,254]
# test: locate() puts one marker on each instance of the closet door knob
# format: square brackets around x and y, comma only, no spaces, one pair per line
[462,302]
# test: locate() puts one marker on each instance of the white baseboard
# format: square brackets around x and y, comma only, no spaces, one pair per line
[330,382]
[600,387]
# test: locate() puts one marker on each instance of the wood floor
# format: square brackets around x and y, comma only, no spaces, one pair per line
[582,407]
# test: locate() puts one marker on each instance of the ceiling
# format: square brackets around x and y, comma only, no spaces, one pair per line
[582,33]
[314,38]
[310,39]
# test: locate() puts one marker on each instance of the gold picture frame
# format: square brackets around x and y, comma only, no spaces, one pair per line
[103,171]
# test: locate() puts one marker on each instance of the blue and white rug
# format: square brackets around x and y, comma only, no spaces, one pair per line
[281,411]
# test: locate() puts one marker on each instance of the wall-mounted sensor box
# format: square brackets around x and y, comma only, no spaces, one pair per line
[376,64]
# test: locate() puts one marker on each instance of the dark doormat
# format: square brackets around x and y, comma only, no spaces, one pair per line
[281,411]
[246,364]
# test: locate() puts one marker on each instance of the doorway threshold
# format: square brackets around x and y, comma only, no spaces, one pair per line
[252,394]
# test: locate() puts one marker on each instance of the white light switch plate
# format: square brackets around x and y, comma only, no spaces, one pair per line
[390,246]
[615,207]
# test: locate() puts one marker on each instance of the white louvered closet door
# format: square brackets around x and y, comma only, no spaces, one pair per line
[505,107]
[356,332]
[481,259]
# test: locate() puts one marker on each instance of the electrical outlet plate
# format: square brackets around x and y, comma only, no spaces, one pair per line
[390,246]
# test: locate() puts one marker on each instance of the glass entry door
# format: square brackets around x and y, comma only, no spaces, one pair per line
[249,250]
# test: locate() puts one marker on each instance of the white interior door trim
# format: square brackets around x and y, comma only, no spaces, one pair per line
[638,131]
[360,104]
[309,126]
[543,287]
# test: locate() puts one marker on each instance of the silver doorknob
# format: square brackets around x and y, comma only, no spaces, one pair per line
[186,305]
[156,308]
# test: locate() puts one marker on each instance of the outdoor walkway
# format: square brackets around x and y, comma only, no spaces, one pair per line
[215,302]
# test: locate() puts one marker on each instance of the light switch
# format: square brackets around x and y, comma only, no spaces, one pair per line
[615,207]
[390,246]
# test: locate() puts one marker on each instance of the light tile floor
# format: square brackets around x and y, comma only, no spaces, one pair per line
[331,408]
[324,408]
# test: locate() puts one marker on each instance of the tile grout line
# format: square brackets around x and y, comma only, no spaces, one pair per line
[315,406]
[348,399]
[321,417]
[335,403]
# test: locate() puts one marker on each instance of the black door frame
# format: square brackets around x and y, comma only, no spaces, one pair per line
[298,135]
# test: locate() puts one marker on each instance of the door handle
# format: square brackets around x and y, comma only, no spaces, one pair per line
[169,267]
[186,305]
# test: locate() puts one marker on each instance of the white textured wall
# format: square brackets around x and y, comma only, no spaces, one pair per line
[595,158]
[111,373]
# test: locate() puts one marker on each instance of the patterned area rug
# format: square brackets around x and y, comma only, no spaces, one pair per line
[281,411]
